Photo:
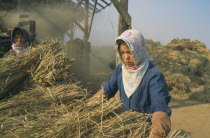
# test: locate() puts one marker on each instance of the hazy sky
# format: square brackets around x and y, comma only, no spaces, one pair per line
[159,20]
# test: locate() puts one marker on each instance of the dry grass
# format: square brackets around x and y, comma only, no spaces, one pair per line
[56,104]
[185,64]
[14,69]
[53,67]
[32,112]
[103,120]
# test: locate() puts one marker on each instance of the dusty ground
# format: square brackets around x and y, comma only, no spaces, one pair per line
[192,116]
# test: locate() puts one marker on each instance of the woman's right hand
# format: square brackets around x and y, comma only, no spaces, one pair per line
[97,97]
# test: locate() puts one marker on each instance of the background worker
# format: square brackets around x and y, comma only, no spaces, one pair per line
[20,42]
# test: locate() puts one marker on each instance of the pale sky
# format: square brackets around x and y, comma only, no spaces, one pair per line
[159,20]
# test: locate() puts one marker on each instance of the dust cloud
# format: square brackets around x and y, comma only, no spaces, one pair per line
[54,22]
[51,21]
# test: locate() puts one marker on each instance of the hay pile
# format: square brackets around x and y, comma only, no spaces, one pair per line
[14,70]
[185,64]
[103,120]
[54,67]
[36,113]
[54,105]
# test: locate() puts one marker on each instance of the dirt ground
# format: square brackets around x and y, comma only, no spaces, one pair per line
[191,116]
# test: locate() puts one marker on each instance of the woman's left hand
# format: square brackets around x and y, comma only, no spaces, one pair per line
[161,124]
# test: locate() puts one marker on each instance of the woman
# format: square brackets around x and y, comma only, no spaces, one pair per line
[142,86]
[20,42]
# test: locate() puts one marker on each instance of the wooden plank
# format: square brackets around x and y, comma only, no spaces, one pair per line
[105,2]
[99,4]
[122,12]
[91,6]
[123,25]
[80,26]
[92,17]
[77,4]
[86,21]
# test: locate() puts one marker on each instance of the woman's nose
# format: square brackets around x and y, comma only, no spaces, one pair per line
[127,56]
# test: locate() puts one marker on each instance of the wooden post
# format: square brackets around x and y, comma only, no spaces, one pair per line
[91,22]
[72,32]
[86,24]
[124,23]
[85,59]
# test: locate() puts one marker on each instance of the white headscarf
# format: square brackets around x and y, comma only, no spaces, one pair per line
[20,49]
[132,77]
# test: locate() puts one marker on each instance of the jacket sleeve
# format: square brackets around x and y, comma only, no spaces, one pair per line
[111,86]
[159,94]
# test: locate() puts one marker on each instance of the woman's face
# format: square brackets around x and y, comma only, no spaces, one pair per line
[19,39]
[126,55]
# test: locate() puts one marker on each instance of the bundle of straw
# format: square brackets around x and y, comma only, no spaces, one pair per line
[104,119]
[60,109]
[33,112]
[14,69]
[53,67]
[185,60]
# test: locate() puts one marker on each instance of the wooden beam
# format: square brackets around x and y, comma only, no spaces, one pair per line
[86,21]
[80,26]
[99,4]
[105,2]
[77,4]
[68,34]
[122,11]
[91,6]
[124,23]
[92,17]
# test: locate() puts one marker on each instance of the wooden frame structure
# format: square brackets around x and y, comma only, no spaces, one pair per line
[91,7]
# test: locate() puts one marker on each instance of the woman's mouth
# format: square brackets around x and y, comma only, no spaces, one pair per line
[127,62]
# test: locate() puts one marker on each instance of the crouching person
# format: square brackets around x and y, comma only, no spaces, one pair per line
[20,42]
[142,86]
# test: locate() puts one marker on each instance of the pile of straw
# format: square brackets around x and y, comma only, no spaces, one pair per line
[53,67]
[103,119]
[61,111]
[55,103]
[32,112]
[184,63]
[13,69]
[55,106]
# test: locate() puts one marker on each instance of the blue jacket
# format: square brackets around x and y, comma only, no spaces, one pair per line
[151,95]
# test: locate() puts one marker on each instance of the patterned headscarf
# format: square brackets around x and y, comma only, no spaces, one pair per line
[22,31]
[132,77]
[135,41]
[25,46]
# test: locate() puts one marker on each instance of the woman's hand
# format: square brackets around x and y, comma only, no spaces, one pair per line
[97,97]
[161,124]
